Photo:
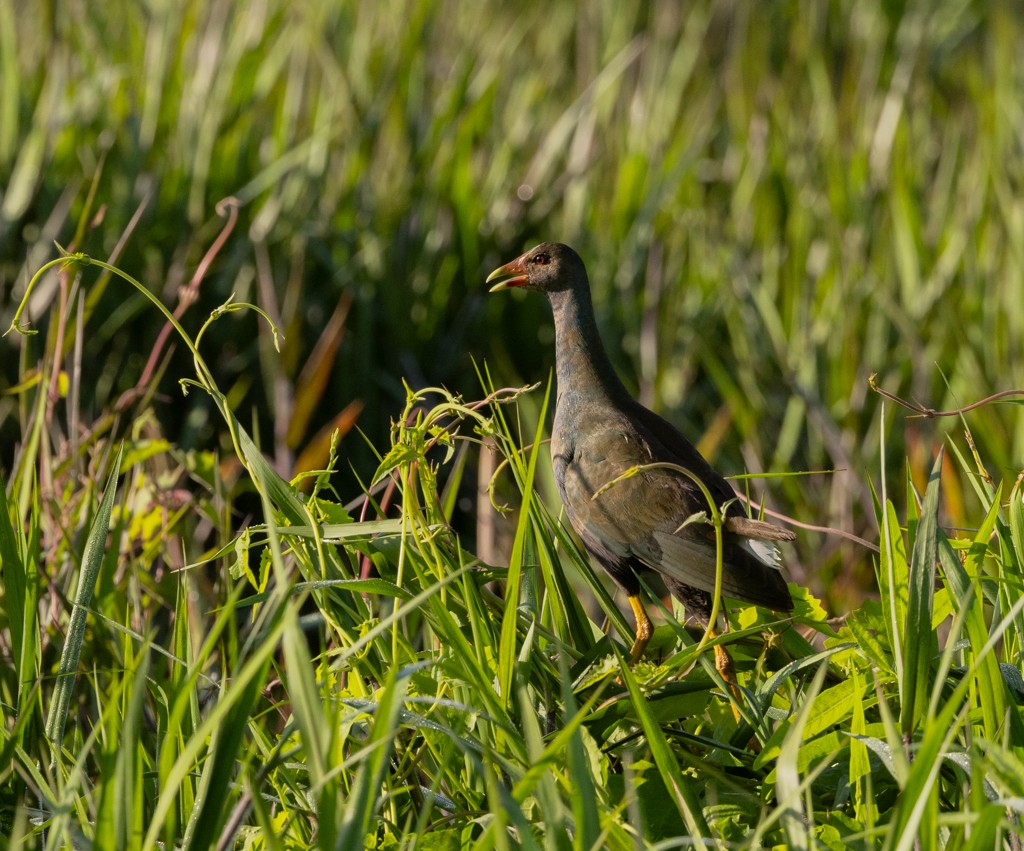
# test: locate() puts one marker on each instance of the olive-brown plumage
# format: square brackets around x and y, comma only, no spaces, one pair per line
[639,524]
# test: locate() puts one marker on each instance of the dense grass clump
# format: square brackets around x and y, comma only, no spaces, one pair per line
[353,675]
[775,202]
[230,619]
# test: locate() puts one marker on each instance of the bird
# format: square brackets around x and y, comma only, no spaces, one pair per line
[618,470]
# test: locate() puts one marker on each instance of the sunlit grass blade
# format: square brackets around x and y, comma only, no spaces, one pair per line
[985,828]
[966,589]
[315,727]
[507,649]
[586,815]
[893,575]
[794,816]
[215,792]
[125,807]
[833,707]
[250,675]
[92,560]
[361,804]
[539,783]
[65,802]
[21,589]
[921,647]
[681,789]
[917,807]
[861,782]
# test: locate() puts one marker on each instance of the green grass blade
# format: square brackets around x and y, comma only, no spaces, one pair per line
[919,800]
[21,589]
[679,786]
[362,803]
[250,676]
[794,817]
[920,643]
[216,792]
[893,578]
[128,799]
[586,815]
[92,559]
[966,591]
[985,828]
[509,626]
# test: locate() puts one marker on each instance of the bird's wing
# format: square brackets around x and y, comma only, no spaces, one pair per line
[745,575]
[667,444]
[644,517]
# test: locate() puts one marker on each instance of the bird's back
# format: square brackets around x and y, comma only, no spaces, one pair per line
[647,520]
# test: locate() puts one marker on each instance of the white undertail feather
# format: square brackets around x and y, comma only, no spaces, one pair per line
[764,551]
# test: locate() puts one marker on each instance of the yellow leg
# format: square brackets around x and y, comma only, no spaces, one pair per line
[725,667]
[644,629]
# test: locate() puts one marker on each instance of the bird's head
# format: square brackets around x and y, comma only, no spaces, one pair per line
[550,267]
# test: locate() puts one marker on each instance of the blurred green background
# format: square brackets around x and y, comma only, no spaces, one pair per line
[774,200]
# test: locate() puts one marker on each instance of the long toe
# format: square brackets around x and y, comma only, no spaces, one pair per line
[725,667]
[644,629]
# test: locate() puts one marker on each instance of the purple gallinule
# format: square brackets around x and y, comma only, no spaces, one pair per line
[638,525]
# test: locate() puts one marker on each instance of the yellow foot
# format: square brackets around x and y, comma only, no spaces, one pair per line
[724,666]
[644,629]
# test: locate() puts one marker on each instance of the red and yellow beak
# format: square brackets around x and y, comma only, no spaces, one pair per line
[516,270]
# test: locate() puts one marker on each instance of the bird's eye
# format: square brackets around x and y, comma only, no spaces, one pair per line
[540,259]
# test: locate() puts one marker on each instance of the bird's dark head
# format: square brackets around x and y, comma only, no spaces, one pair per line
[550,267]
